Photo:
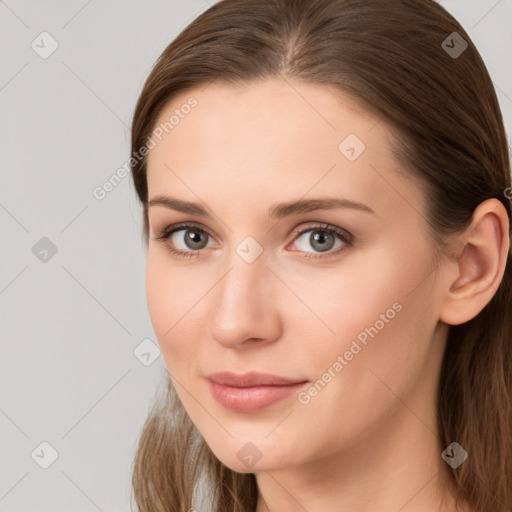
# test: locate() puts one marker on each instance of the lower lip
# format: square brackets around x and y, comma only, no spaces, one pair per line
[251,399]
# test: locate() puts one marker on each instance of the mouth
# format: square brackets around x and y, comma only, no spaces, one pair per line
[251,392]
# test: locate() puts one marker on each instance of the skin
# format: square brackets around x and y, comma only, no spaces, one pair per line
[368,440]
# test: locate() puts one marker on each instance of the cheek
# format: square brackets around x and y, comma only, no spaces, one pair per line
[160,288]
[381,357]
[376,309]
[170,295]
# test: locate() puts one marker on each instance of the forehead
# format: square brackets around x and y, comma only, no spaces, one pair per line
[255,114]
[274,140]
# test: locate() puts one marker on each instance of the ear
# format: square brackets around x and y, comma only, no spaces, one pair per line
[479,265]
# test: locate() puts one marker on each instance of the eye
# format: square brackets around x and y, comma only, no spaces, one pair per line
[193,239]
[187,240]
[323,238]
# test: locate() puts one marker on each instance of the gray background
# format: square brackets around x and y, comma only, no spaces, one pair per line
[72,320]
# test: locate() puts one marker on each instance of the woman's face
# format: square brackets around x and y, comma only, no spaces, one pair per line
[350,314]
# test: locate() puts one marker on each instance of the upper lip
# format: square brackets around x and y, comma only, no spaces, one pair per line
[251,379]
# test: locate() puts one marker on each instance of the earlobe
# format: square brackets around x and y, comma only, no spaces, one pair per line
[480,265]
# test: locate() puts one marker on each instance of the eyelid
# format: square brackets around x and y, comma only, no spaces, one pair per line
[167,231]
[343,233]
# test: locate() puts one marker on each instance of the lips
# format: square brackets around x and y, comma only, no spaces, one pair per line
[251,392]
[251,379]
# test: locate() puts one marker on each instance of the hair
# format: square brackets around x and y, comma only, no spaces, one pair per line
[449,134]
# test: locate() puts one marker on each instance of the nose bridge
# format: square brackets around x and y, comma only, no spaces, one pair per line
[242,307]
[242,285]
[247,274]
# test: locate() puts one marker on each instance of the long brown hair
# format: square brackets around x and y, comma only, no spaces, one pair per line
[403,62]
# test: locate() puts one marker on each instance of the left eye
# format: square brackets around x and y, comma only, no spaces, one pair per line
[322,239]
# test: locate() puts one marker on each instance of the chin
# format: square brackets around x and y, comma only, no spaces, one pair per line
[245,456]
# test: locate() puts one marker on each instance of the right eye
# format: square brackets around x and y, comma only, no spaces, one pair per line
[192,239]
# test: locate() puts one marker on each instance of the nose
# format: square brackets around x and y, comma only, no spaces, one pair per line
[244,306]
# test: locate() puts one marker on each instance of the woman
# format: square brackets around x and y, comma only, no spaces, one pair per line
[324,189]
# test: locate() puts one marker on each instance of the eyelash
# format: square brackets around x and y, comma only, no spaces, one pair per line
[345,237]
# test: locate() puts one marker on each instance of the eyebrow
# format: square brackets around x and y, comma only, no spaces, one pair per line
[276,212]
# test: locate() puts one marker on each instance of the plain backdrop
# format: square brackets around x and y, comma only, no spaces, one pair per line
[80,364]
